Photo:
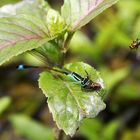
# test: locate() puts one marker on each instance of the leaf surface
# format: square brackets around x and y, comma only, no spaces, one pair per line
[30,128]
[77,13]
[67,102]
[4,104]
[22,29]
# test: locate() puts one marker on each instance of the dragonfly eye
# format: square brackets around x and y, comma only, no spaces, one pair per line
[20,67]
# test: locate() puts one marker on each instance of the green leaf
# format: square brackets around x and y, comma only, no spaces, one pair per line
[125,91]
[77,13]
[55,22]
[91,128]
[110,130]
[67,102]
[4,103]
[23,29]
[31,7]
[30,129]
[117,75]
[51,52]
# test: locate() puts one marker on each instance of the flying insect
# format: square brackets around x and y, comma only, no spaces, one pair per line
[135,44]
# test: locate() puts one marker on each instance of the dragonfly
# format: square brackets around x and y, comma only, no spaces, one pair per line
[135,44]
[86,83]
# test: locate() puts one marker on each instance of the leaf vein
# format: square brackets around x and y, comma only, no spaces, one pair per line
[15,42]
[18,34]
[11,23]
[71,93]
[37,26]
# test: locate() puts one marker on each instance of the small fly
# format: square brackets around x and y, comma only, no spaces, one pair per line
[135,44]
[86,83]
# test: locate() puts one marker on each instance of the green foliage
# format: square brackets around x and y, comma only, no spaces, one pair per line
[79,13]
[116,26]
[110,130]
[91,128]
[67,102]
[117,75]
[18,49]
[33,25]
[3,2]
[30,128]
[51,52]
[56,24]
[4,104]
[129,91]
[22,29]
[95,129]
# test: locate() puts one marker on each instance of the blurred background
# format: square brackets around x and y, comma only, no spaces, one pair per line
[104,44]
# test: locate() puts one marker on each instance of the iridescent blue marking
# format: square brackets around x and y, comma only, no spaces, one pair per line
[76,77]
[85,82]
[20,67]
[73,75]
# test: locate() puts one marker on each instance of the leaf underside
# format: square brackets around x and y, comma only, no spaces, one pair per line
[67,102]
[22,30]
[77,13]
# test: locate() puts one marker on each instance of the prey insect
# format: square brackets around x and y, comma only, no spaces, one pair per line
[86,83]
[135,44]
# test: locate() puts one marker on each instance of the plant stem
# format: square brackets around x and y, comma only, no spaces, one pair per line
[66,42]
[59,134]
[65,46]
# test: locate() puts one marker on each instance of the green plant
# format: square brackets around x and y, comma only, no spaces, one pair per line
[34,25]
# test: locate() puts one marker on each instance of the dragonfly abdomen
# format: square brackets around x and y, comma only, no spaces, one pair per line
[76,77]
